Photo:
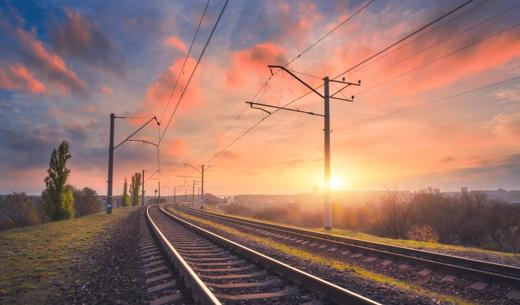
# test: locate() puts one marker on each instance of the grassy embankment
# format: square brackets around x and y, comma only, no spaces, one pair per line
[35,260]
[433,246]
[353,270]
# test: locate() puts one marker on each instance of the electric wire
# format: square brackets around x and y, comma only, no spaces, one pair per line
[308,48]
[504,12]
[437,100]
[403,39]
[185,60]
[195,68]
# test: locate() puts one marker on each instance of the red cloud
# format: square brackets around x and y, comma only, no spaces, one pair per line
[417,74]
[17,77]
[159,92]
[175,147]
[253,60]
[177,43]
[49,64]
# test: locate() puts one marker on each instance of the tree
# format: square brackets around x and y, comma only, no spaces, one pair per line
[58,197]
[18,211]
[395,214]
[86,202]
[125,201]
[135,188]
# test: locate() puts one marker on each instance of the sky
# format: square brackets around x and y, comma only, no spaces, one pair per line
[440,110]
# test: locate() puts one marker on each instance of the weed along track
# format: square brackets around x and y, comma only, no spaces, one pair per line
[443,273]
[216,270]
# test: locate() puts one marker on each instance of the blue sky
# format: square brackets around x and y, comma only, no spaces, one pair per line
[65,66]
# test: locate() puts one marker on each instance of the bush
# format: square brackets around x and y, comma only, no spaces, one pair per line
[17,210]
[86,202]
[423,233]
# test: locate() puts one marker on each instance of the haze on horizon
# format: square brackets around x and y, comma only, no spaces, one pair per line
[64,67]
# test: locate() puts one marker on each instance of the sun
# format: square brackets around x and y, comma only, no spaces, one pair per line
[336,183]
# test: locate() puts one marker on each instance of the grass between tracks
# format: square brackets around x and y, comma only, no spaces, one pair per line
[353,270]
[35,260]
[430,246]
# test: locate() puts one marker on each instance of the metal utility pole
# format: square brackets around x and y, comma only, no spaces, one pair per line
[327,219]
[142,190]
[174,195]
[201,172]
[327,216]
[193,193]
[110,164]
[111,149]
[202,188]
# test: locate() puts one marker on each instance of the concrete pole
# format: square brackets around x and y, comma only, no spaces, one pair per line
[110,164]
[327,221]
[142,190]
[193,192]
[202,189]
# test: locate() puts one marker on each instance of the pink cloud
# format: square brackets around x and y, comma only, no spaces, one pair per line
[17,77]
[158,93]
[106,90]
[176,43]
[174,148]
[253,60]
[49,64]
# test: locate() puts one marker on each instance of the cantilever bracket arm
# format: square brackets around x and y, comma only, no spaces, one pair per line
[347,84]
[143,141]
[196,169]
[343,99]
[282,108]
[296,77]
[138,129]
[259,108]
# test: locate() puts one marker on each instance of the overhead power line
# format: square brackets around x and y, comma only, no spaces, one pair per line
[437,100]
[403,39]
[194,69]
[308,48]
[441,57]
[185,60]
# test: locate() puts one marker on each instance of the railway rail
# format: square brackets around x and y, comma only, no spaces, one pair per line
[481,271]
[216,270]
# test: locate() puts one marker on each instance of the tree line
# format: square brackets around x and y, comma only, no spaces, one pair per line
[467,218]
[59,200]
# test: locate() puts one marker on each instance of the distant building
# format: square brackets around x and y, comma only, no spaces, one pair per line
[464,190]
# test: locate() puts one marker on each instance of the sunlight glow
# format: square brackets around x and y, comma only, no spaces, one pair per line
[336,183]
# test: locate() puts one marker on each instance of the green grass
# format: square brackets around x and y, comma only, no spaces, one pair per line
[354,270]
[34,259]
[433,246]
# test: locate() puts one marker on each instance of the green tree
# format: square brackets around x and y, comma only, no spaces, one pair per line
[86,201]
[58,197]
[125,201]
[135,188]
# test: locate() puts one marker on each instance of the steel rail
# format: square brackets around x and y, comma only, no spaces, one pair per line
[326,290]
[470,268]
[199,291]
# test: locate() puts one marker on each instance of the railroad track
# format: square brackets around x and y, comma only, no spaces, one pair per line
[216,270]
[161,283]
[480,271]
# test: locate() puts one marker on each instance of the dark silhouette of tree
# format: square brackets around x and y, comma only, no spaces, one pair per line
[58,197]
